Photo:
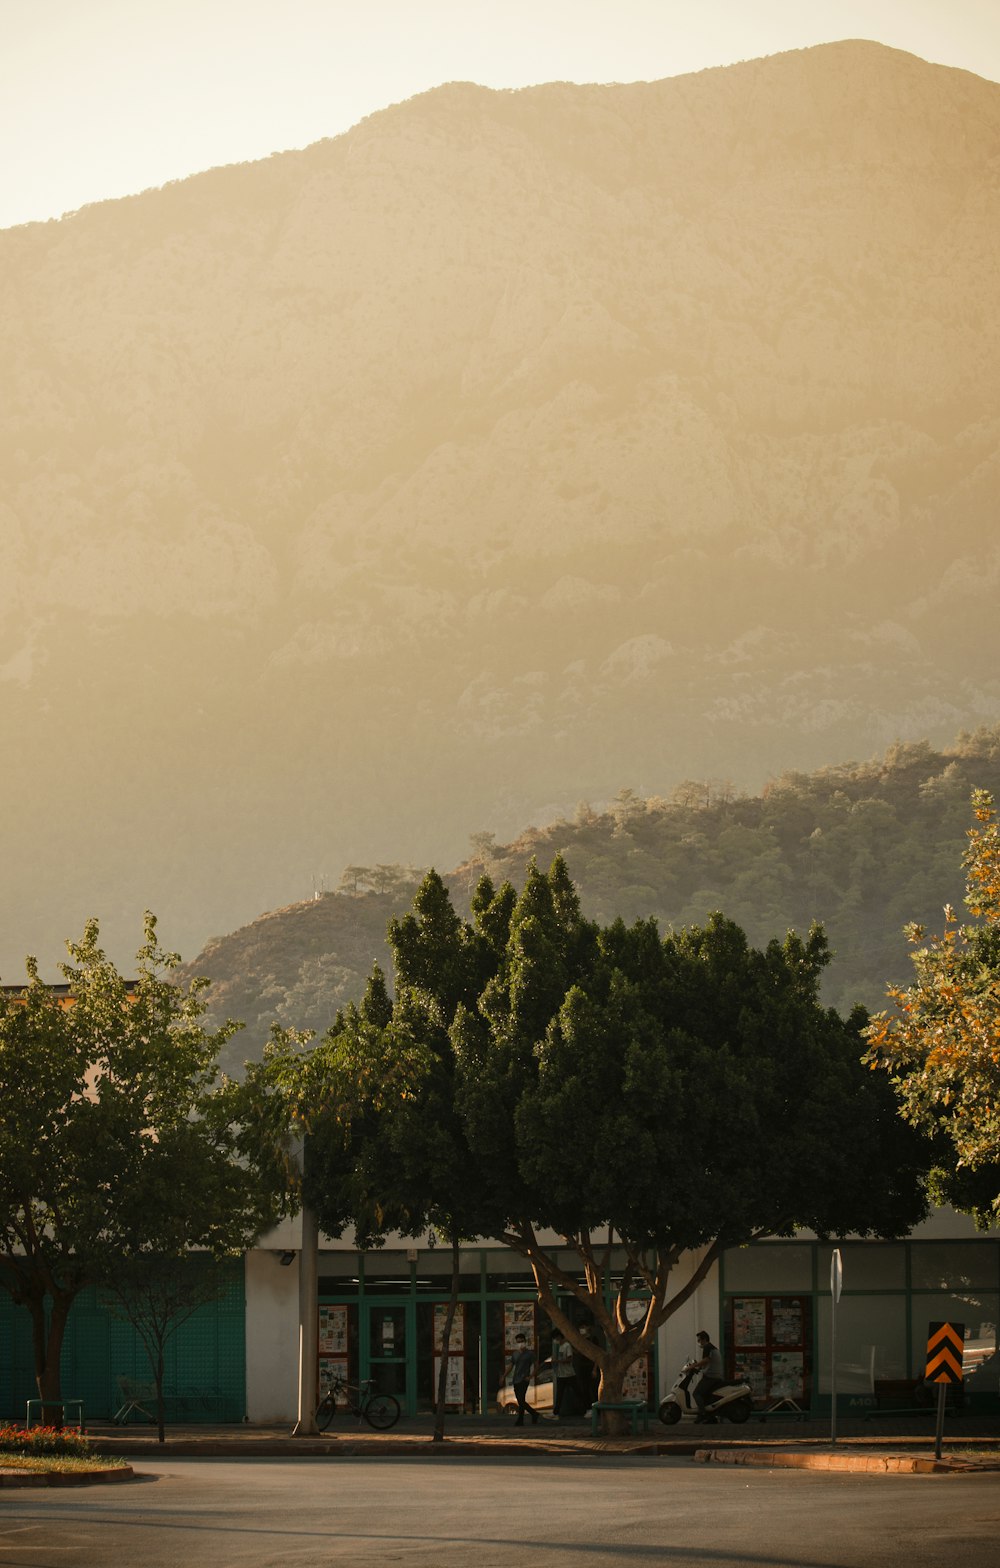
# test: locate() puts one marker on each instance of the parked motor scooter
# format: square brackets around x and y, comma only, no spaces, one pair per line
[730,1401]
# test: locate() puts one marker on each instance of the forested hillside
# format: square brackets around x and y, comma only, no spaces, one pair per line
[861,847]
[507,447]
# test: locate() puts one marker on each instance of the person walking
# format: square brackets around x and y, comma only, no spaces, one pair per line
[585,1372]
[563,1377]
[521,1371]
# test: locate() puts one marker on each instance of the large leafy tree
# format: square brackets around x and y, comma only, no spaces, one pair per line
[538,1073]
[388,1149]
[941,1044]
[114,1142]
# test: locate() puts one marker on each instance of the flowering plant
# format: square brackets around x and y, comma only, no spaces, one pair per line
[43,1440]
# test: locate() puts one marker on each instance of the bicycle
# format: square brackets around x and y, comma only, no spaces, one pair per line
[380,1410]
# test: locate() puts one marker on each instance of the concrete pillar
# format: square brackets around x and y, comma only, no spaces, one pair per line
[305,1426]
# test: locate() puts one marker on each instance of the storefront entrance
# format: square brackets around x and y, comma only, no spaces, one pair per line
[381,1316]
[390,1333]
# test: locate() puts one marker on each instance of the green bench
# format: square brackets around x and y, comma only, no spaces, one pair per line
[70,1408]
[637,1409]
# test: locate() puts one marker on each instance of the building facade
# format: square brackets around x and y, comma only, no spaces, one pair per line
[768,1307]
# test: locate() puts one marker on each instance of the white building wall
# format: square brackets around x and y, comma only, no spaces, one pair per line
[272,1334]
[676,1342]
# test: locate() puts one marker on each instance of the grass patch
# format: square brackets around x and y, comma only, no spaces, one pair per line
[71,1464]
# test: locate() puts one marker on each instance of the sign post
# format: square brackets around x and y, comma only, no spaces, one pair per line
[945,1346]
[836,1281]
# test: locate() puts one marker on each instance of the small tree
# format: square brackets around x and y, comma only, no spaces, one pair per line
[941,1046]
[157,1294]
[113,1137]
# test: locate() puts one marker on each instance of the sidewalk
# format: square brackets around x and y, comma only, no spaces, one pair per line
[902,1443]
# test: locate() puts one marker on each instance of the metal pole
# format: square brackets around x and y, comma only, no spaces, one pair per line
[305,1426]
[836,1280]
[942,1396]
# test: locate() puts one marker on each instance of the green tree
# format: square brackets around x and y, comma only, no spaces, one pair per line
[114,1141]
[941,1045]
[632,1094]
[387,1149]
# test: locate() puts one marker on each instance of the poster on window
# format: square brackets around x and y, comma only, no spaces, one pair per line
[518,1318]
[786,1374]
[457,1339]
[751,1367]
[330,1368]
[786,1320]
[454,1393]
[636,1383]
[333,1331]
[750,1320]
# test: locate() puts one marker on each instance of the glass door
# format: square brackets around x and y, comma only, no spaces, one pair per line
[390,1349]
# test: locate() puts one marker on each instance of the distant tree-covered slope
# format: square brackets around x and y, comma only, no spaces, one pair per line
[861,847]
[509,446]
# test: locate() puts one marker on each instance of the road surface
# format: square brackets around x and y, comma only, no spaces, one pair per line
[452,1512]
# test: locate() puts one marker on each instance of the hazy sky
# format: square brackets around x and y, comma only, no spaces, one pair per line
[101,98]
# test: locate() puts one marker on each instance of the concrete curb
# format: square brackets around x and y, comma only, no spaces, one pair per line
[400,1448]
[870,1464]
[13,1479]
[866,1453]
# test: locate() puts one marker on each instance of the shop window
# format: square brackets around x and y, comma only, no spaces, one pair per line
[868,1265]
[434,1273]
[768,1266]
[506,1270]
[768,1343]
[977,1312]
[871,1343]
[338,1274]
[947,1265]
[387,1273]
[464,1362]
[338,1344]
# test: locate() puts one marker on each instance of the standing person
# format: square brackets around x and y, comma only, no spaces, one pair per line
[522,1367]
[585,1374]
[710,1366]
[562,1375]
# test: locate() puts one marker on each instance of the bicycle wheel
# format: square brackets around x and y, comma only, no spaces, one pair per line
[382,1412]
[325,1412]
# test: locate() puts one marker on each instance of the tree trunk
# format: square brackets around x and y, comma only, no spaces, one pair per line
[160,1403]
[611,1387]
[449,1318]
[48,1345]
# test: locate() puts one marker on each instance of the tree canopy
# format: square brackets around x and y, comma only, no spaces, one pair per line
[115,1141]
[941,1045]
[538,1074]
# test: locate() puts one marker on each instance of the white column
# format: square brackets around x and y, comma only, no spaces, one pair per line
[305,1426]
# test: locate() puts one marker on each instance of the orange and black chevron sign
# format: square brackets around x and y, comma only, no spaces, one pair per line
[944,1353]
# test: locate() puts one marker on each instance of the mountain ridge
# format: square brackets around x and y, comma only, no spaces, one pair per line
[861,848]
[487,456]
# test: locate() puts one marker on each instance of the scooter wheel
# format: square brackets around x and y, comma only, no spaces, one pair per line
[739,1410]
[670,1413]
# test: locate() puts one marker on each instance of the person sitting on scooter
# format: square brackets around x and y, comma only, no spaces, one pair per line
[710,1367]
